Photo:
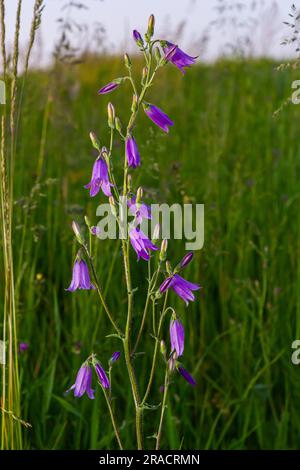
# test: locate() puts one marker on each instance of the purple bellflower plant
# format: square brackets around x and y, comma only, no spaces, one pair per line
[81,276]
[131,329]
[179,58]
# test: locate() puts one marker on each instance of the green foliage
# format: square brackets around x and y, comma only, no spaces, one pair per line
[227,151]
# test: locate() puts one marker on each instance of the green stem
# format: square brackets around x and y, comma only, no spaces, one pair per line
[157,343]
[108,402]
[163,407]
[151,287]
[99,291]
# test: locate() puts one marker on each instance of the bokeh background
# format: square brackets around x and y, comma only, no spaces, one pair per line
[227,150]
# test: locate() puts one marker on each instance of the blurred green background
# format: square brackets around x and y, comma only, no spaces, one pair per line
[226,150]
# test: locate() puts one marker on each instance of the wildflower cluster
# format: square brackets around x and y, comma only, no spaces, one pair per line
[157,53]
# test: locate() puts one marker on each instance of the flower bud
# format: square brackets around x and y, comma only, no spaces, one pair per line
[157,54]
[95,141]
[168,267]
[163,250]
[87,221]
[127,61]
[139,195]
[138,38]
[172,362]
[118,125]
[134,104]
[186,259]
[144,75]
[114,358]
[129,182]
[156,232]
[111,115]
[151,23]
[163,348]
[77,232]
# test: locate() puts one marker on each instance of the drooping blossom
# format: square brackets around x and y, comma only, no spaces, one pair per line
[180,286]
[186,260]
[158,116]
[81,276]
[23,347]
[115,356]
[83,382]
[108,88]
[140,211]
[102,375]
[187,376]
[177,337]
[179,58]
[141,244]
[132,152]
[99,178]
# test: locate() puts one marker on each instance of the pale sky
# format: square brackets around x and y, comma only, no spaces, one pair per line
[119,17]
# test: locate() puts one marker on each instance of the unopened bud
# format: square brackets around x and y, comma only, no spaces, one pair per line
[151,23]
[118,125]
[157,54]
[168,267]
[163,250]
[111,115]
[163,348]
[144,75]
[172,362]
[156,232]
[134,103]
[138,38]
[95,141]
[77,232]
[129,182]
[139,195]
[127,61]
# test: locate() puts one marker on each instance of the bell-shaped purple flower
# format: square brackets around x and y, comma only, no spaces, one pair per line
[108,88]
[177,337]
[83,382]
[99,178]
[158,116]
[187,376]
[140,211]
[141,244]
[186,260]
[180,286]
[132,152]
[102,375]
[81,276]
[177,56]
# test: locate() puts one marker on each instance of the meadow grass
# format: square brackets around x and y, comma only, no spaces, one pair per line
[226,151]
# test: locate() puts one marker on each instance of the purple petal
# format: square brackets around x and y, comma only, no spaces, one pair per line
[185,374]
